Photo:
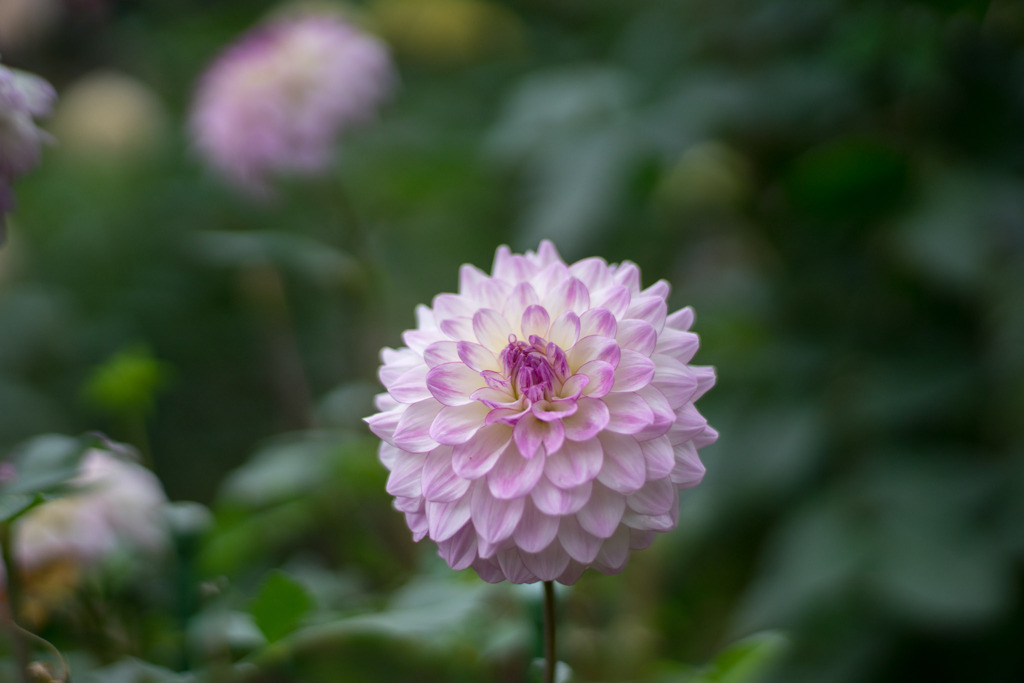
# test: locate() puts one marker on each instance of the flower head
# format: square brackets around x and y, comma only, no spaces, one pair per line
[542,420]
[277,100]
[23,96]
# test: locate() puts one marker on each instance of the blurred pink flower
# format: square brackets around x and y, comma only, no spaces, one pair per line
[276,101]
[114,503]
[23,96]
[542,420]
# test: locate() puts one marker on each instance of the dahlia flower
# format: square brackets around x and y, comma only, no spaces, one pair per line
[276,101]
[22,97]
[542,420]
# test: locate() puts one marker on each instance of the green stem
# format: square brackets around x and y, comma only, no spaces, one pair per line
[550,660]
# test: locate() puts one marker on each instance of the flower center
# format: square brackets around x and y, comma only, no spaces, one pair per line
[536,369]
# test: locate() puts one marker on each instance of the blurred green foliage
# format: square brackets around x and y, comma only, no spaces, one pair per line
[836,186]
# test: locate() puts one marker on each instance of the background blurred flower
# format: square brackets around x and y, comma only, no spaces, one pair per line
[107,115]
[22,97]
[114,504]
[542,420]
[276,101]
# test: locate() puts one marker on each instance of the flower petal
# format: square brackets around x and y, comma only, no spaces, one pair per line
[592,348]
[457,424]
[637,335]
[439,481]
[522,296]
[445,519]
[659,457]
[477,357]
[633,372]
[459,551]
[453,383]
[624,468]
[629,413]
[575,463]
[675,380]
[552,500]
[476,457]
[512,566]
[565,331]
[513,476]
[614,552]
[548,564]
[570,295]
[603,511]
[440,352]
[491,329]
[536,530]
[410,386]
[590,418]
[413,430]
[656,497]
[688,470]
[405,476]
[535,321]
[530,433]
[614,299]
[581,545]
[598,322]
[600,378]
[495,519]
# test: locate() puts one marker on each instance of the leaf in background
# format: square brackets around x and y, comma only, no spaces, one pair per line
[44,464]
[133,671]
[745,661]
[280,606]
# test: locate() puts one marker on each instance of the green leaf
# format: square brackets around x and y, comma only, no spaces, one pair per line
[280,606]
[44,465]
[745,661]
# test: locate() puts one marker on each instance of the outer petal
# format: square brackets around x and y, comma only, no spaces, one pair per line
[688,470]
[536,530]
[614,552]
[494,519]
[603,512]
[413,430]
[552,500]
[548,564]
[439,481]
[656,497]
[460,550]
[633,372]
[581,545]
[445,519]
[513,568]
[405,476]
[624,468]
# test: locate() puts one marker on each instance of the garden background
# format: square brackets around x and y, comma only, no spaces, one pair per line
[836,187]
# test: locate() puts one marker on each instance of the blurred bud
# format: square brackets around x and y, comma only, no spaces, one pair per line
[448,32]
[707,175]
[126,385]
[109,116]
[24,23]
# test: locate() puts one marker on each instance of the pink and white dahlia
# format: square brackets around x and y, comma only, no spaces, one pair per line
[276,101]
[542,420]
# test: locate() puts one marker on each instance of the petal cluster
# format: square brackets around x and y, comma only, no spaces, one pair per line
[23,97]
[541,421]
[276,101]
